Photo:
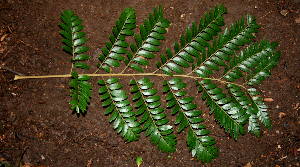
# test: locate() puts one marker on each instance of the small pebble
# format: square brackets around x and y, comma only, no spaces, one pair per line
[286,125]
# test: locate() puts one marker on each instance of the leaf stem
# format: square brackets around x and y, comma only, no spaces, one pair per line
[17,77]
[73,54]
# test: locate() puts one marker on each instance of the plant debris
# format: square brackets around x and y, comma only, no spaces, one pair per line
[281,115]
[284,12]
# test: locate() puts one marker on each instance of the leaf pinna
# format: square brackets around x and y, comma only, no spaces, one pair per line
[194,43]
[148,41]
[80,92]
[114,98]
[202,52]
[199,143]
[116,47]
[73,38]
[153,119]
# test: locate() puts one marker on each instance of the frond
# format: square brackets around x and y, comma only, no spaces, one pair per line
[204,48]
[115,100]
[199,143]
[80,92]
[154,119]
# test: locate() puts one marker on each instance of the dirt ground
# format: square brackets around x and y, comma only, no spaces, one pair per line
[35,115]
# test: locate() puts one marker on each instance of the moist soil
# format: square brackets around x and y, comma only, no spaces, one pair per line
[37,126]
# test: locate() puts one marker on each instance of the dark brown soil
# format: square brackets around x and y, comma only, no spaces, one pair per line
[35,114]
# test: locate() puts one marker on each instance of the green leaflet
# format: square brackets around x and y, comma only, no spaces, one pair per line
[81,65]
[81,57]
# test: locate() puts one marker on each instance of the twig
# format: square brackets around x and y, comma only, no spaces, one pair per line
[89,162]
[21,39]
[20,162]
[9,51]
[8,69]
[266,15]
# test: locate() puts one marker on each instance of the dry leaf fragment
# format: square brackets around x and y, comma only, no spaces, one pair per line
[284,12]
[249,164]
[3,37]
[296,106]
[3,159]
[27,165]
[294,151]
[297,20]
[281,115]
[268,99]
[89,162]
[283,157]
[38,165]
[167,30]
